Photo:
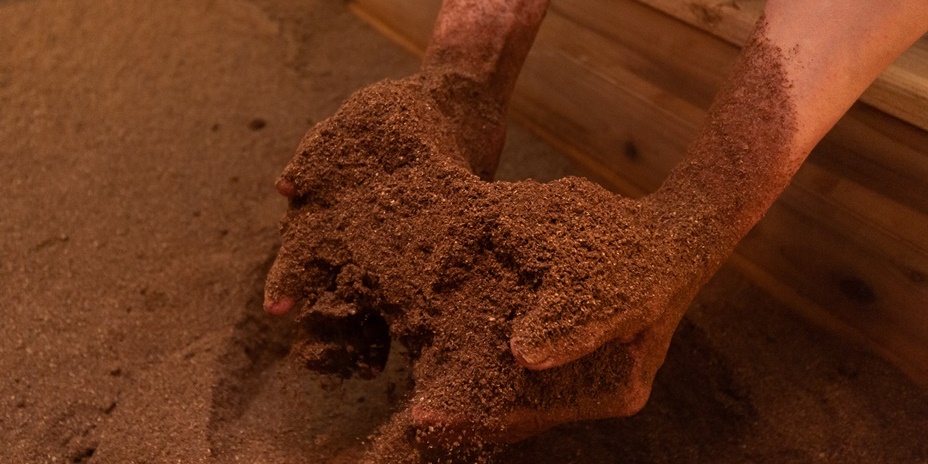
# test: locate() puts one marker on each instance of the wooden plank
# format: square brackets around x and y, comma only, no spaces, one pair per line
[622,88]
[909,358]
[879,152]
[730,20]
[687,61]
[868,145]
[893,224]
[868,277]
[636,127]
[406,23]
[902,90]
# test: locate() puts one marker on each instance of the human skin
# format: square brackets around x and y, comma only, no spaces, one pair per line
[832,51]
[485,42]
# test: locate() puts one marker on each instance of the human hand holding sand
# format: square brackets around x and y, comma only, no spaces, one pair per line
[389,231]
[804,66]
[409,245]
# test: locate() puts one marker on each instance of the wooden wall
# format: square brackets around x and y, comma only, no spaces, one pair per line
[621,87]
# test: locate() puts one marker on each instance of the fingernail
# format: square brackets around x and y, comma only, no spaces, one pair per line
[527,358]
[278,307]
[286,188]
[423,416]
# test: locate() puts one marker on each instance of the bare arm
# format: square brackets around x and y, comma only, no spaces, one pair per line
[839,48]
[807,63]
[486,40]
[805,66]
[824,55]
[479,47]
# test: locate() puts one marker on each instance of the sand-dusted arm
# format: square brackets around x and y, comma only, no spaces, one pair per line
[387,231]
[474,57]
[806,64]
[486,40]
[826,54]
[479,47]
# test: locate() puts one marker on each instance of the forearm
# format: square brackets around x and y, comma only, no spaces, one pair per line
[486,40]
[472,62]
[804,67]
[835,50]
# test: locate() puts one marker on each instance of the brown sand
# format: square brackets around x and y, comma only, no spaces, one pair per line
[138,224]
[390,235]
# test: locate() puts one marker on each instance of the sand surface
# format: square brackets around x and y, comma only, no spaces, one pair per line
[139,143]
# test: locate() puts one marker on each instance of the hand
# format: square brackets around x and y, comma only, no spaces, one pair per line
[386,128]
[593,332]
[385,186]
[361,215]
[614,277]
[613,381]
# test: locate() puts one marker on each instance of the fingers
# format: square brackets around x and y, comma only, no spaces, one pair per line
[286,187]
[283,286]
[614,381]
[439,426]
[337,337]
[537,344]
[580,397]
[278,307]
[538,355]
[520,422]
[279,291]
[299,270]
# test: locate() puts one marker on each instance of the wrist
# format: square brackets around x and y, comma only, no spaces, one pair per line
[475,114]
[744,157]
[487,40]
[700,230]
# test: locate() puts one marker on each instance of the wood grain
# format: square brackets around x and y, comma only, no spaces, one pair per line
[901,91]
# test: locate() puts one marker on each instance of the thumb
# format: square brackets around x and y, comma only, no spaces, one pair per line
[538,343]
[284,283]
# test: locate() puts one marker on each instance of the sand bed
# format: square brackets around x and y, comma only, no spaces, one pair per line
[139,148]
